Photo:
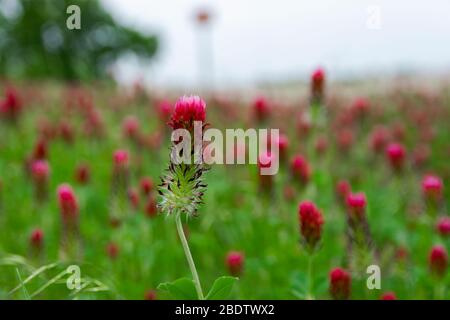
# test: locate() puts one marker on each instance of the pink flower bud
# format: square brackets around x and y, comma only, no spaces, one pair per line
[235,263]
[40,171]
[187,110]
[130,127]
[343,189]
[317,85]
[121,158]
[356,205]
[68,203]
[265,161]
[443,226]
[164,109]
[432,188]
[396,156]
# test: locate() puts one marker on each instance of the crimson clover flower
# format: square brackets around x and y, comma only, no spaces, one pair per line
[311,221]
[340,282]
[182,186]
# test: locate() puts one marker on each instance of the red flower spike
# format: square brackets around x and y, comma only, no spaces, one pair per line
[68,203]
[40,150]
[11,106]
[265,161]
[261,109]
[40,171]
[112,250]
[311,222]
[438,260]
[317,85]
[146,185]
[340,283]
[300,169]
[82,174]
[343,189]
[37,238]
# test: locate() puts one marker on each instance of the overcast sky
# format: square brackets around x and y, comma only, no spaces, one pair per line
[256,40]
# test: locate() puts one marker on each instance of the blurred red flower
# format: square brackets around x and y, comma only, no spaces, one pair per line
[311,221]
[438,260]
[340,283]
[235,263]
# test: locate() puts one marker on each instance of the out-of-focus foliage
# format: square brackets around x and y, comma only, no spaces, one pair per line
[36,43]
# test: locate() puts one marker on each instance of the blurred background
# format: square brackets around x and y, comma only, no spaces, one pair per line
[224,43]
[360,91]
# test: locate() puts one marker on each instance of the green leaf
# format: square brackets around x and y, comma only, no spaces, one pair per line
[321,285]
[298,284]
[183,289]
[221,288]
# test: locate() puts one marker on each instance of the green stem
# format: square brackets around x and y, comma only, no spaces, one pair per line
[188,255]
[309,295]
[439,290]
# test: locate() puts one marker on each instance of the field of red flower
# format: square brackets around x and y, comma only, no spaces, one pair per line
[91,209]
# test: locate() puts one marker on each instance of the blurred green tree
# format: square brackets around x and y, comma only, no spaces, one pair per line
[36,43]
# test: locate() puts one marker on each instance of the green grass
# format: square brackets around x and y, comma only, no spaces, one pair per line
[235,216]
